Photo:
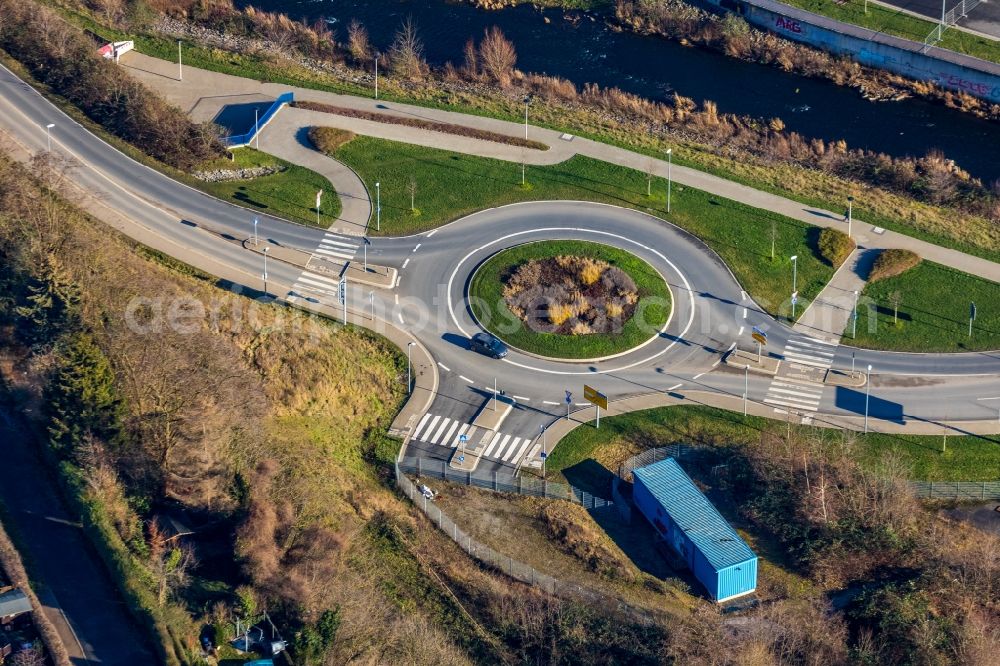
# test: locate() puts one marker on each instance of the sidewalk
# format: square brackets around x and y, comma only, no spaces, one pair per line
[830,312]
[199,84]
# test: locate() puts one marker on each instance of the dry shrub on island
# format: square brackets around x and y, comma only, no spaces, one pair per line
[571,295]
[329,139]
[893,262]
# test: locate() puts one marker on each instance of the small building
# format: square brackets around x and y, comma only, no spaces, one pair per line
[695,530]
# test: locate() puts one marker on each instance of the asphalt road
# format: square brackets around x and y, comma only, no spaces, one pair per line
[711,312]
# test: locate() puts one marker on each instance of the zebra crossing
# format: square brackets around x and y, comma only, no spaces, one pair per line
[804,355]
[317,287]
[444,431]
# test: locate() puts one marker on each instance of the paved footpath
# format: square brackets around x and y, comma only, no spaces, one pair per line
[203,93]
[830,312]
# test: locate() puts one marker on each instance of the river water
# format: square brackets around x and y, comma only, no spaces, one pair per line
[587,51]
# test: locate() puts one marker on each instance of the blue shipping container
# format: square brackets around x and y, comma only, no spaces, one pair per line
[693,527]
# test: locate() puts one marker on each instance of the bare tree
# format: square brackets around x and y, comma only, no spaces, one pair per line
[357,42]
[412,188]
[31,656]
[471,67]
[407,52]
[895,299]
[498,55]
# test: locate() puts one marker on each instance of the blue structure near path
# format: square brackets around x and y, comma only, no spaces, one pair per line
[695,530]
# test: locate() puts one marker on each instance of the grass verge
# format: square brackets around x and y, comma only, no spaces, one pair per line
[490,307]
[934,306]
[290,193]
[587,457]
[449,185]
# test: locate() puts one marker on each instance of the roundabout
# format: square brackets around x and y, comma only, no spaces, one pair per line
[570,300]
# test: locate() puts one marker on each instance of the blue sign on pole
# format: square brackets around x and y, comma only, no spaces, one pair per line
[463,438]
[972,312]
[461,459]
[544,455]
[569,397]
[342,290]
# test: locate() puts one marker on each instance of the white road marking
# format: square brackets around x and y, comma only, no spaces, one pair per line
[513,445]
[520,452]
[444,367]
[448,437]
[740,331]
[675,387]
[744,315]
[521,397]
[400,316]
[430,427]
[431,232]
[336,243]
[398,279]
[581,404]
[421,425]
[437,435]
[406,262]
[397,299]
[417,247]
[698,375]
[466,379]
[550,402]
[773,401]
[339,254]
[493,442]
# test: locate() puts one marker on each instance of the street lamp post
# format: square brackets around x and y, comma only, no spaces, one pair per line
[409,368]
[180,64]
[868,389]
[850,215]
[48,135]
[371,298]
[256,240]
[670,163]
[256,139]
[265,272]
[378,206]
[795,282]
[376,77]
[854,324]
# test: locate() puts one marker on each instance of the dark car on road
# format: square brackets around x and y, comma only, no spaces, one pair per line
[487,345]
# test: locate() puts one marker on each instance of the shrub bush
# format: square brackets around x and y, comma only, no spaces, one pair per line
[329,139]
[891,263]
[835,246]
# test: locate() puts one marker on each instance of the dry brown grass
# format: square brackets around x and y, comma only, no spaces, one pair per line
[893,262]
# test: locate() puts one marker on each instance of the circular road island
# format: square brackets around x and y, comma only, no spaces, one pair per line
[570,299]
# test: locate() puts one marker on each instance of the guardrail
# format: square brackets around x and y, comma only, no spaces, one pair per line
[237,140]
[957,490]
[503,482]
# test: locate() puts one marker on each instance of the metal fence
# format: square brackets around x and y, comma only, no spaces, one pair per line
[957,490]
[950,18]
[649,457]
[504,563]
[503,482]
[237,140]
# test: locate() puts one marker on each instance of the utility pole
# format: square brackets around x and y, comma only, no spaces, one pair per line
[378,206]
[180,64]
[371,298]
[256,137]
[972,316]
[545,454]
[527,101]
[494,394]
[670,162]
[256,240]
[376,76]
[746,386]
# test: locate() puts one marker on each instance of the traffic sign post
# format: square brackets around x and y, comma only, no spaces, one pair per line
[342,293]
[760,335]
[598,399]
[569,401]
[541,430]
[462,439]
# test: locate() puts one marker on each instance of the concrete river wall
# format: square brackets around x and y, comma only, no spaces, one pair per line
[948,69]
